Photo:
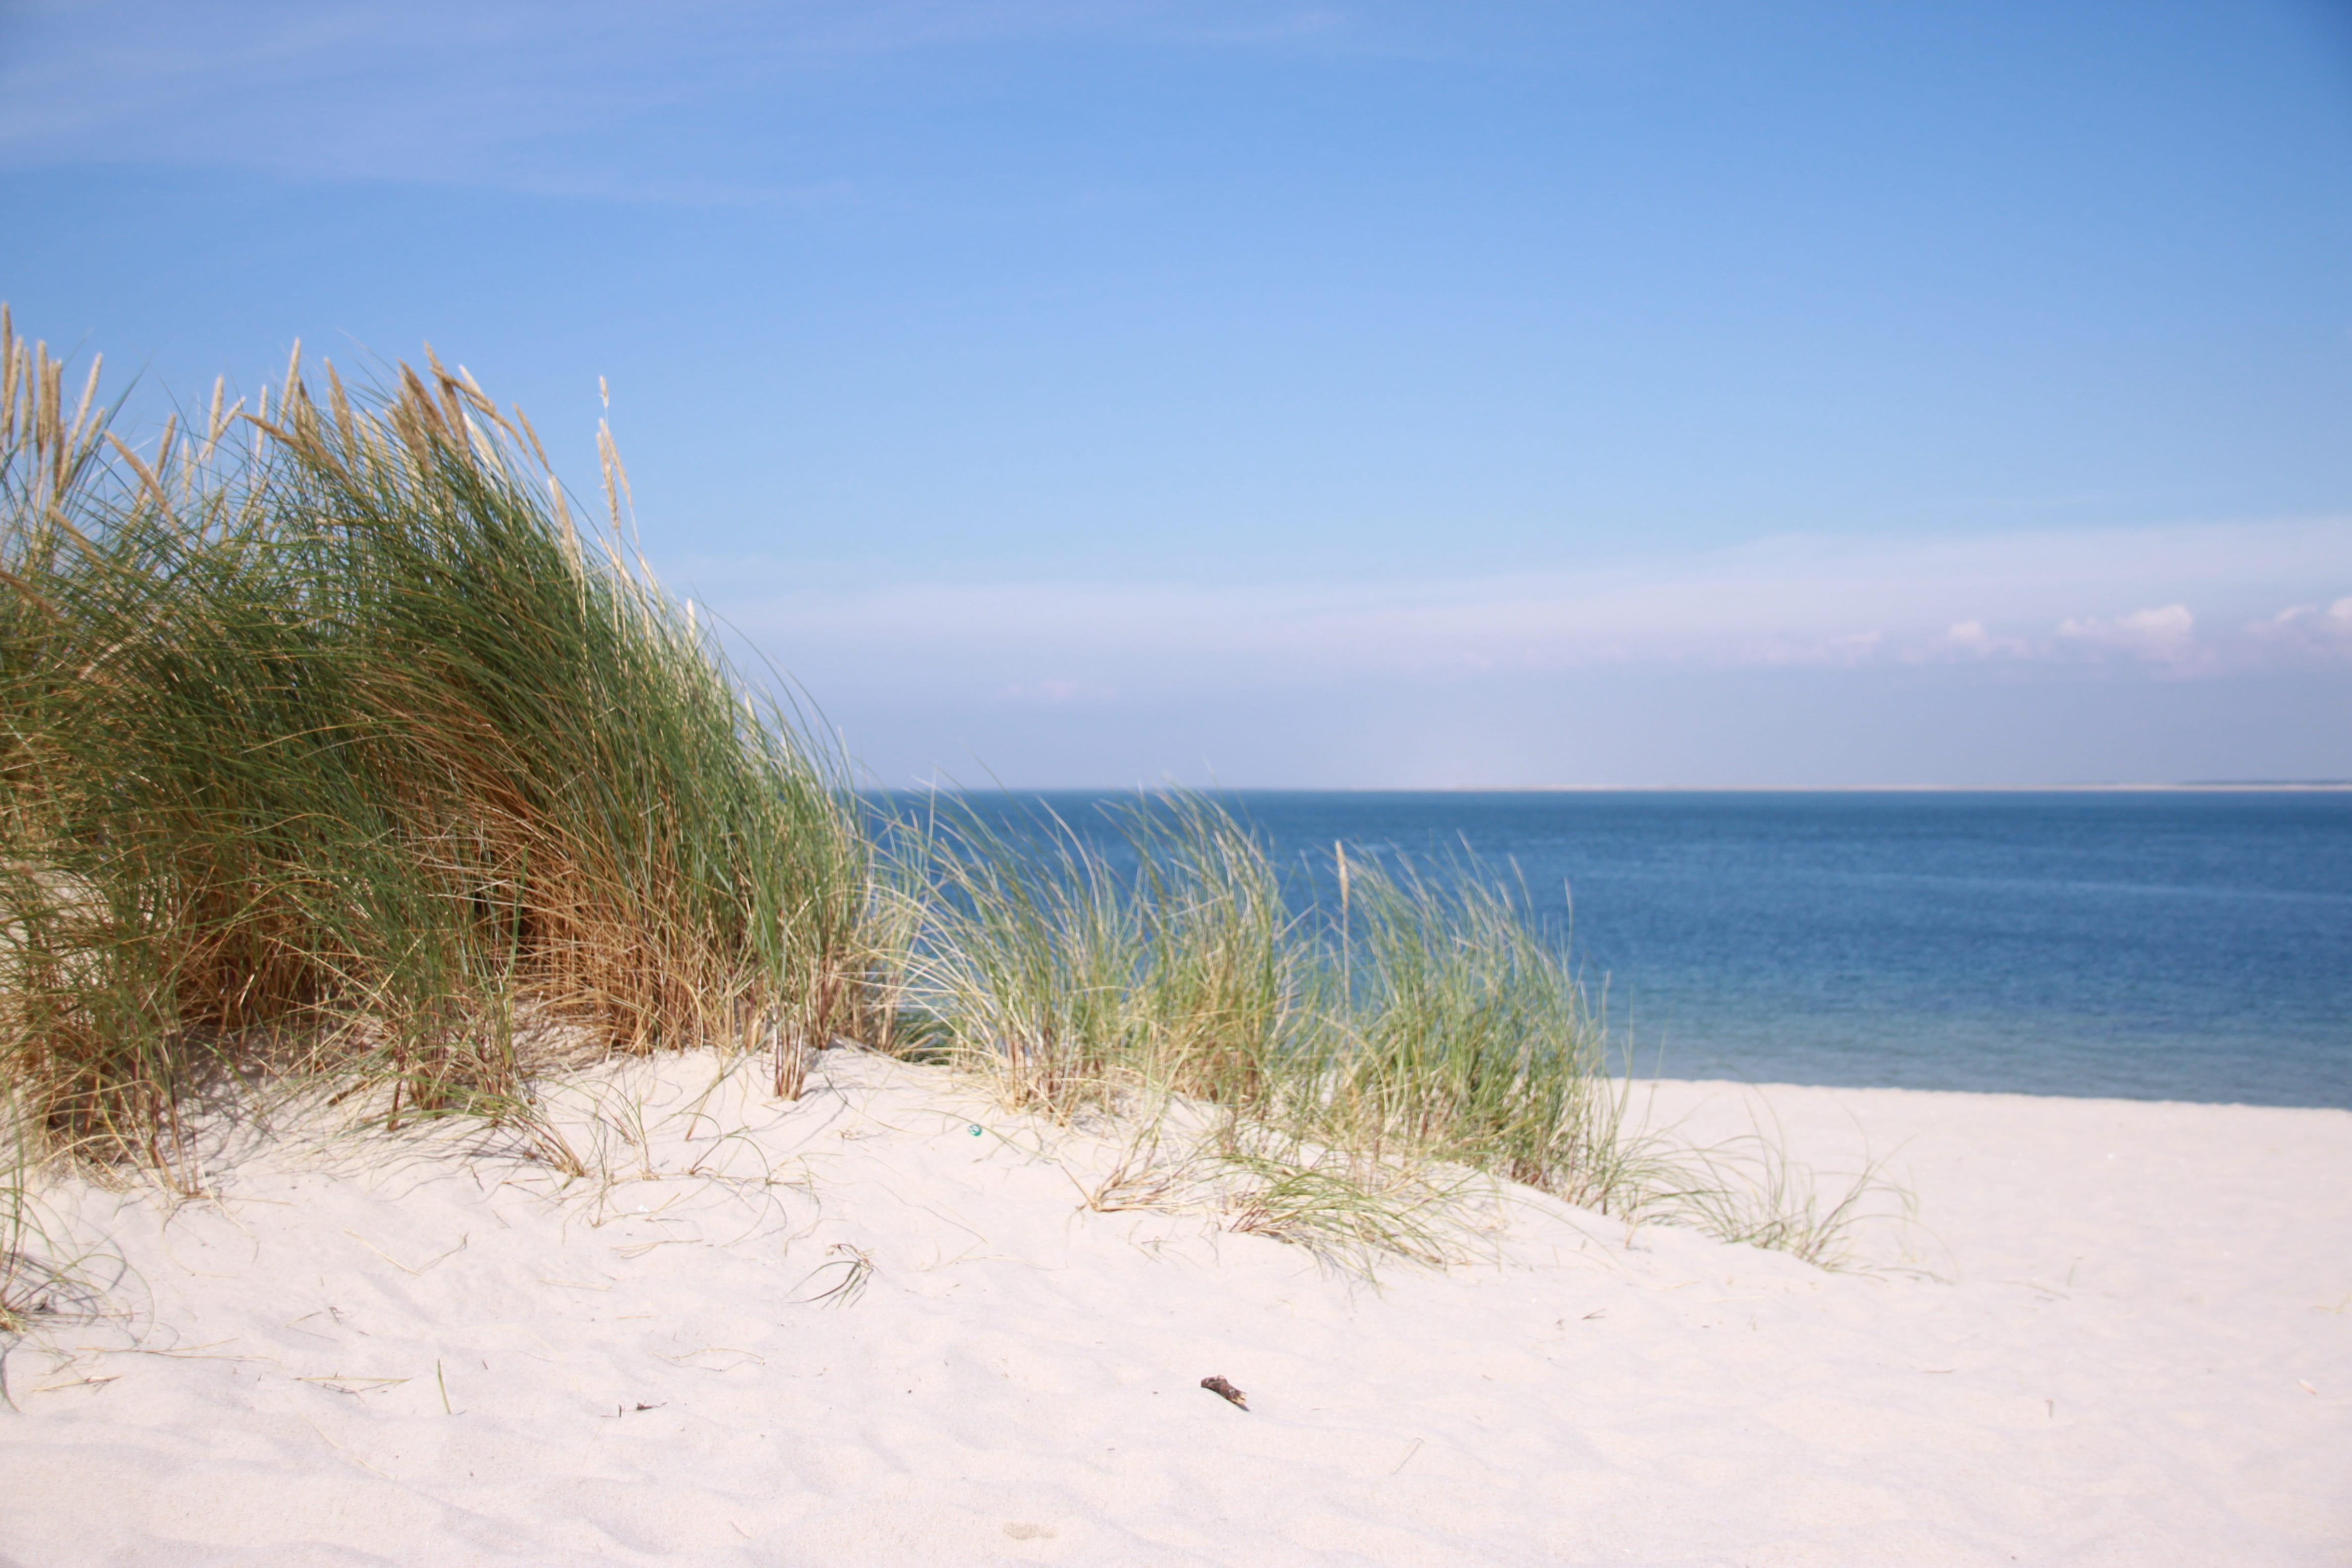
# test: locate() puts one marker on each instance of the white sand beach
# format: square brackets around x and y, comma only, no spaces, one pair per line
[2118,1333]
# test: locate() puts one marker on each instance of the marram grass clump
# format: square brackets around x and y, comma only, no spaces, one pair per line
[1325,1070]
[329,746]
[1422,1018]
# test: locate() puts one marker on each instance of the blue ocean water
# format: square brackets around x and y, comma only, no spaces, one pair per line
[2171,945]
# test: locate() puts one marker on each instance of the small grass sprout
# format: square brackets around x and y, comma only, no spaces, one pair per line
[850,1271]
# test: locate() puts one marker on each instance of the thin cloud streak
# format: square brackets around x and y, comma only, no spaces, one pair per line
[2174,601]
[595,99]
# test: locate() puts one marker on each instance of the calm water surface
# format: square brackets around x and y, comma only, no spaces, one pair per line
[2167,945]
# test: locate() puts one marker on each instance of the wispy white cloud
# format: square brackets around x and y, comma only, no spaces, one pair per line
[2306,634]
[582,97]
[2176,601]
[2163,635]
[1970,639]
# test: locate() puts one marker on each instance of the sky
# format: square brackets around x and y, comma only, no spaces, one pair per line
[1641,393]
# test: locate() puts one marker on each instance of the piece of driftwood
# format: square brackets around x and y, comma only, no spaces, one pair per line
[1225,1391]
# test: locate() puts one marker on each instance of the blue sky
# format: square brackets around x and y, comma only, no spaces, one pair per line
[1339,394]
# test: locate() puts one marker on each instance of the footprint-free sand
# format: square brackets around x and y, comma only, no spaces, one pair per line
[881,1325]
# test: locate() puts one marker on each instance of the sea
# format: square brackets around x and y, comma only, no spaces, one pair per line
[2186,944]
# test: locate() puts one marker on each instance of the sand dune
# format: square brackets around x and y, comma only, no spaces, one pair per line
[880,1326]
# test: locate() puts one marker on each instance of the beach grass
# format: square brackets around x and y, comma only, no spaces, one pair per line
[340,751]
[1075,983]
[335,743]
[1348,1053]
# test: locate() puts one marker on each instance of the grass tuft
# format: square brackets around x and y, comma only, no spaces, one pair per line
[1424,1025]
[329,747]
